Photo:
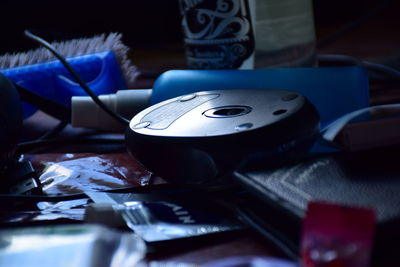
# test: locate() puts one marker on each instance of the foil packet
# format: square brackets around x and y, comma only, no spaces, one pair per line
[160,219]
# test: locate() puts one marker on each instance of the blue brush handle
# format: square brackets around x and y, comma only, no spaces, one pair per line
[51,80]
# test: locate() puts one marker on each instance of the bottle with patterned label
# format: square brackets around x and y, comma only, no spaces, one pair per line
[246,34]
[218,34]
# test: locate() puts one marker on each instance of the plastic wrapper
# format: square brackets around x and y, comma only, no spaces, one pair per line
[71,211]
[69,173]
[75,173]
[166,219]
[70,245]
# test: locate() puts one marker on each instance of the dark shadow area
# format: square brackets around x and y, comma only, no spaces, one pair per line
[151,23]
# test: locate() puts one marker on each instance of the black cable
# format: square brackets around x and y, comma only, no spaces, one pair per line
[171,189]
[391,72]
[55,131]
[337,59]
[76,77]
[50,107]
[23,147]
[333,59]
[66,197]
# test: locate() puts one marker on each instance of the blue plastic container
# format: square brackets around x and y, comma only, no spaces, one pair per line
[100,71]
[334,91]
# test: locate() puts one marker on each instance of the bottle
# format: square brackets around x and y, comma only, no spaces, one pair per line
[284,33]
[217,34]
[246,34]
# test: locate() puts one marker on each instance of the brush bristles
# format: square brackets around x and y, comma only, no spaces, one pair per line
[76,47]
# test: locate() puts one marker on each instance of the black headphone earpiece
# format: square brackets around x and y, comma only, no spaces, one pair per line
[10,120]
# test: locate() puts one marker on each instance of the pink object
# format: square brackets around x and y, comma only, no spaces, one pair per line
[335,235]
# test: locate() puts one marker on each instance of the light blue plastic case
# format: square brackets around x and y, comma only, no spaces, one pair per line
[334,91]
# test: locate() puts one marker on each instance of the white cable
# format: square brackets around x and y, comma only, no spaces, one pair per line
[330,132]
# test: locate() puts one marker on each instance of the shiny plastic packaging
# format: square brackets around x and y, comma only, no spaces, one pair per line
[159,219]
[69,245]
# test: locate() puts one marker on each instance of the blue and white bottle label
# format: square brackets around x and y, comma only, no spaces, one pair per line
[218,34]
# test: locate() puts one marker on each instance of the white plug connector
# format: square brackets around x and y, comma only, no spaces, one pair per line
[87,114]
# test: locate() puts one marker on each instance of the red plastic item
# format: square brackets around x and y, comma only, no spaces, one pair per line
[337,236]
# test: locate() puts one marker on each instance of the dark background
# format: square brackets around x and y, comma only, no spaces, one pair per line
[149,23]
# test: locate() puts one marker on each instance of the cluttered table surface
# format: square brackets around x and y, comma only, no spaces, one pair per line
[82,160]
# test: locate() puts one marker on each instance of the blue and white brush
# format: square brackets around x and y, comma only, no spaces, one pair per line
[101,61]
